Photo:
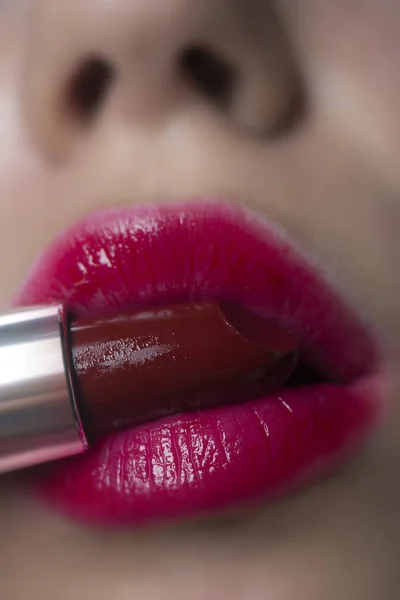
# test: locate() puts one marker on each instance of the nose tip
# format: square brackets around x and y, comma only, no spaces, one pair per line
[153,57]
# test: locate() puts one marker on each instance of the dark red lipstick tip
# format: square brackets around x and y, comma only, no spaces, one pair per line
[146,364]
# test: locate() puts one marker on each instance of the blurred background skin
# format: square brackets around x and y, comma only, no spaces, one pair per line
[332,180]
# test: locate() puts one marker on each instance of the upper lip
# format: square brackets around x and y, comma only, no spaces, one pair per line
[204,250]
[146,256]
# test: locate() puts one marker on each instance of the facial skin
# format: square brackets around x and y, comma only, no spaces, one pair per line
[331,178]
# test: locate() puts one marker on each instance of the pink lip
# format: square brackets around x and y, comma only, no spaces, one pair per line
[226,456]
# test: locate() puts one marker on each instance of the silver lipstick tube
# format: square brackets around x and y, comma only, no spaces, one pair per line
[39,419]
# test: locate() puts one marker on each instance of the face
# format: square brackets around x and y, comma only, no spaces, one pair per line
[288,110]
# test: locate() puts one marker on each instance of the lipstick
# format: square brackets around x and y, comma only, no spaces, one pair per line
[65,382]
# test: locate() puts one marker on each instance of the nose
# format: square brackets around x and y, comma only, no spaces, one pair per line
[145,59]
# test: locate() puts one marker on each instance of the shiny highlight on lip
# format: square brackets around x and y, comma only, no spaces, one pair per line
[222,456]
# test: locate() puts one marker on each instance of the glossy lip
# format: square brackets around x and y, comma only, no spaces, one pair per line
[227,456]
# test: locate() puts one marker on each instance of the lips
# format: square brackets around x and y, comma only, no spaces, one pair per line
[226,456]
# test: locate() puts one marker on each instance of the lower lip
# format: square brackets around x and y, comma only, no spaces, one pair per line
[227,456]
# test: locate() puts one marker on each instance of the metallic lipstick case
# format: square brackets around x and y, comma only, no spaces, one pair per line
[39,419]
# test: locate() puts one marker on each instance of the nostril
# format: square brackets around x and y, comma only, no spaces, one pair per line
[88,87]
[210,74]
[263,102]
